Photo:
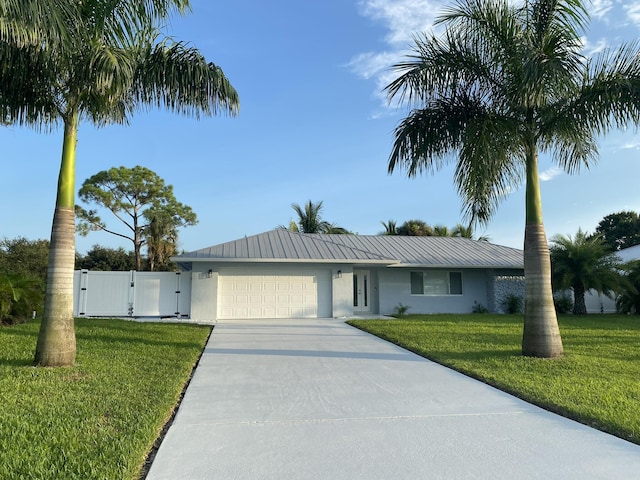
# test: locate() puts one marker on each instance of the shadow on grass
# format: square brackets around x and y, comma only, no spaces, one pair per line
[16,362]
[134,341]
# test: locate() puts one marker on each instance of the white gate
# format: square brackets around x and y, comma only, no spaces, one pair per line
[131,294]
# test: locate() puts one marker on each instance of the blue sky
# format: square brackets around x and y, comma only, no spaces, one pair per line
[313,125]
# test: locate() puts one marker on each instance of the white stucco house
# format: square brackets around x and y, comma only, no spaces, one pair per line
[282,274]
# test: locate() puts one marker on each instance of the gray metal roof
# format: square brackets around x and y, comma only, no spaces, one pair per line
[398,251]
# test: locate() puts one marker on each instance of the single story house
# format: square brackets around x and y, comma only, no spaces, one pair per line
[284,274]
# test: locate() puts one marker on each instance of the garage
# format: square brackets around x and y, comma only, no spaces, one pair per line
[257,293]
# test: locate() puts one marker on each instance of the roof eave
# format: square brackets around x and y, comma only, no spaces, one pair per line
[281,260]
[451,265]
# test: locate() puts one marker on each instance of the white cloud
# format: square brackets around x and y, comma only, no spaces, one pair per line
[550,174]
[403,18]
[368,65]
[599,8]
[633,12]
[593,48]
[631,146]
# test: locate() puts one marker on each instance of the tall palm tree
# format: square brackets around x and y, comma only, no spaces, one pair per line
[583,263]
[110,62]
[506,81]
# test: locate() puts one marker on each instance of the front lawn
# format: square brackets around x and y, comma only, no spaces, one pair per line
[100,418]
[597,382]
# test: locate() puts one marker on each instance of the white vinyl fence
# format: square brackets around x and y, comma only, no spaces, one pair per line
[131,294]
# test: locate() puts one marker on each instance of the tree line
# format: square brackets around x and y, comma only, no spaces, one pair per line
[310,220]
[580,263]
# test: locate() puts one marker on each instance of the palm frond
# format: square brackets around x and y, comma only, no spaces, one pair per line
[176,76]
[610,92]
[489,166]
[425,138]
[36,23]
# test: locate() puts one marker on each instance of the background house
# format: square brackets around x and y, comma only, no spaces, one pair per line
[599,303]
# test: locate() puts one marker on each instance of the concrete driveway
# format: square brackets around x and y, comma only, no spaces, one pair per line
[318,399]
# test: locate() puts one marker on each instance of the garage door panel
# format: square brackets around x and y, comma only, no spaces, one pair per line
[262,295]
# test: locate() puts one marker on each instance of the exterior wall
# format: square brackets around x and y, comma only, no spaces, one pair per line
[599,302]
[341,291]
[204,295]
[501,284]
[394,287]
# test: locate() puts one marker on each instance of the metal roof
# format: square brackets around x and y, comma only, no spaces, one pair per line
[393,250]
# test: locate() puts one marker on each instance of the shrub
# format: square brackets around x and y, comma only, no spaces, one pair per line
[479,308]
[512,303]
[19,296]
[563,303]
[401,310]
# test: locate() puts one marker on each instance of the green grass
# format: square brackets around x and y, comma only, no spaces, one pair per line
[100,418]
[597,382]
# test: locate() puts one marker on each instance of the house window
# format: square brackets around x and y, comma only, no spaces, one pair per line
[436,282]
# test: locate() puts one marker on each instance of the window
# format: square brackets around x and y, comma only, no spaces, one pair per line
[436,282]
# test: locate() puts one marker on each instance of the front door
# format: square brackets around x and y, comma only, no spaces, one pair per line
[361,291]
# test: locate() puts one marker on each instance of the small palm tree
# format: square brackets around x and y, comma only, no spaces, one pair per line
[506,81]
[19,295]
[584,263]
[310,217]
[390,228]
[310,220]
[442,231]
[101,63]
[467,232]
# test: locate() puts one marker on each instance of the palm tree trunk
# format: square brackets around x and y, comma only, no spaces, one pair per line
[579,307]
[541,335]
[57,340]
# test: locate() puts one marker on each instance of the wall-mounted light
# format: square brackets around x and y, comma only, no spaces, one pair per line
[339,273]
[210,273]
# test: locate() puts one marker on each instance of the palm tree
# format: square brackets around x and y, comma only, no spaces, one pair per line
[110,62]
[161,237]
[19,295]
[628,300]
[442,231]
[467,232]
[310,220]
[505,82]
[390,228]
[583,263]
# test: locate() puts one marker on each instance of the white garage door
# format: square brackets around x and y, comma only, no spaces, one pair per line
[264,295]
